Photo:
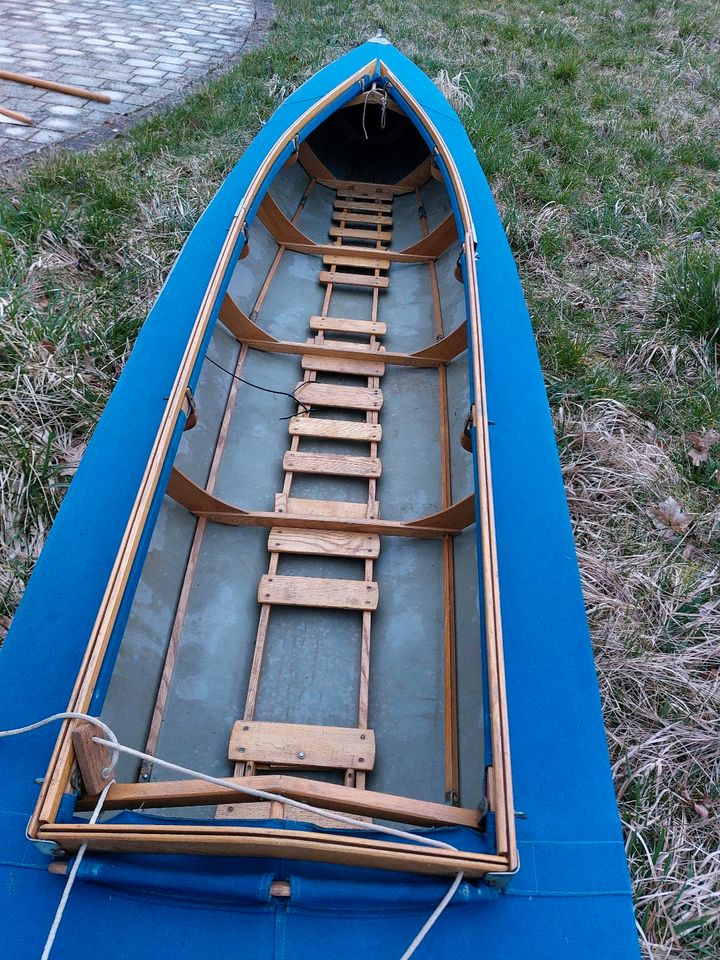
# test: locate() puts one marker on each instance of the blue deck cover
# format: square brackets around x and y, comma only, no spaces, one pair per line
[571,898]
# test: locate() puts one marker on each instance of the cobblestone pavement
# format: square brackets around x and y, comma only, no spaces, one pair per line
[137,52]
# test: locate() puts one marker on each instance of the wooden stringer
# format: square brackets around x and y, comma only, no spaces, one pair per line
[290,746]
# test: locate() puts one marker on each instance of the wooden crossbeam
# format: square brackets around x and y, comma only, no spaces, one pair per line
[323,543]
[336,429]
[364,206]
[351,260]
[318,592]
[332,465]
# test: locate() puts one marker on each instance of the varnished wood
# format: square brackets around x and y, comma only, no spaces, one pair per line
[16,115]
[356,233]
[327,509]
[437,241]
[318,592]
[350,260]
[272,843]
[80,92]
[363,206]
[322,249]
[348,325]
[92,758]
[336,429]
[354,279]
[323,543]
[344,398]
[332,465]
[359,368]
[280,227]
[302,745]
[349,216]
[181,793]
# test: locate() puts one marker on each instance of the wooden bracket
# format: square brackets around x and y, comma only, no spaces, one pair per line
[92,758]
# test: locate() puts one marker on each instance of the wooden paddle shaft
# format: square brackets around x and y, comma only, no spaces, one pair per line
[14,115]
[51,85]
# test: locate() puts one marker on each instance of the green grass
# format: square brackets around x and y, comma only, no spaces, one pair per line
[596,124]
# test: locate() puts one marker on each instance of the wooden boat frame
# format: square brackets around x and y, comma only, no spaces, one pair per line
[216,838]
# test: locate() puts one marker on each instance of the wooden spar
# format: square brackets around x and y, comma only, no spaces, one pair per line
[190,793]
[51,85]
[215,840]
[246,331]
[61,761]
[502,798]
[450,719]
[15,115]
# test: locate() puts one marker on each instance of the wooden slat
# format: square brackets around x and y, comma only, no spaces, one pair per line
[354,279]
[368,328]
[360,368]
[347,398]
[322,508]
[355,233]
[323,543]
[332,465]
[363,191]
[336,429]
[318,592]
[301,745]
[368,349]
[368,206]
[351,260]
[349,217]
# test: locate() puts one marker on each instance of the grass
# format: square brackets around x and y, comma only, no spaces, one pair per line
[596,125]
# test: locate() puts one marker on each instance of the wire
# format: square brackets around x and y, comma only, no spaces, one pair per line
[280,393]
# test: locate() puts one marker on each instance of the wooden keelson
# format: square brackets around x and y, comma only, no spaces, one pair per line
[369,215]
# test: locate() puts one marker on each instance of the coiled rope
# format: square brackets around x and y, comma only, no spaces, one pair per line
[116,748]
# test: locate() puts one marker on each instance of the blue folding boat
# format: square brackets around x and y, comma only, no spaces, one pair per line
[312,597]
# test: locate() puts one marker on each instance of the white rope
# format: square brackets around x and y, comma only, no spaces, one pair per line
[117,748]
[71,877]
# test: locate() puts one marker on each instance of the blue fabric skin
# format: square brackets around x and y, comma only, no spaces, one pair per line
[571,898]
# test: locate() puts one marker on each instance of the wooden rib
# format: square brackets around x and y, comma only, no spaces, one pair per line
[280,227]
[336,429]
[344,398]
[332,464]
[276,843]
[323,543]
[314,167]
[437,241]
[250,333]
[308,746]
[358,234]
[318,592]
[353,279]
[348,216]
[358,368]
[349,260]
[348,325]
[182,793]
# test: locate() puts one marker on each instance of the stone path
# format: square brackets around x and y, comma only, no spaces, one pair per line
[137,51]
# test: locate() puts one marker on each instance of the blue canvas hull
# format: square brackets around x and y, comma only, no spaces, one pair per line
[571,897]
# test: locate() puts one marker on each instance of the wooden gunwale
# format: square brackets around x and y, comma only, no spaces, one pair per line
[60,765]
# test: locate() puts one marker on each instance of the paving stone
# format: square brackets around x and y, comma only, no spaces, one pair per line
[137,52]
